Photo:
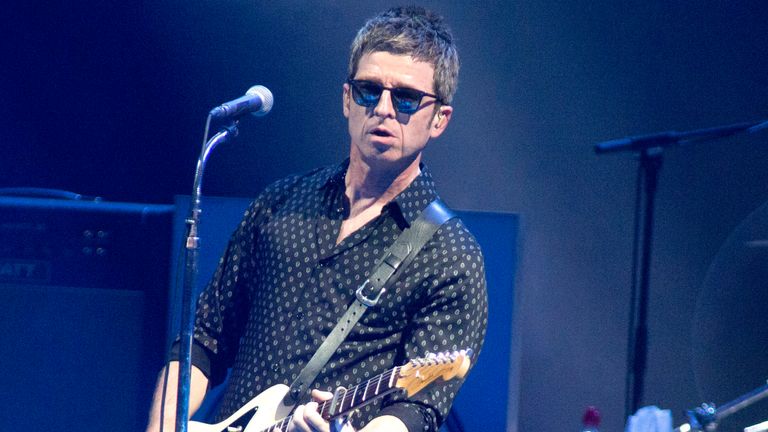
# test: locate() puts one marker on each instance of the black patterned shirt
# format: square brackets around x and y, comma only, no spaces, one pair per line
[283,284]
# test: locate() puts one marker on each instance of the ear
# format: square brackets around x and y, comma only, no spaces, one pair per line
[440,121]
[346,98]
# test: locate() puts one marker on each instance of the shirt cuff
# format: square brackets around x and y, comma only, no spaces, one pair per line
[199,356]
[417,418]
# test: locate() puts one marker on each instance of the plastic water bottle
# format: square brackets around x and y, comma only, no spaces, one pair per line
[591,420]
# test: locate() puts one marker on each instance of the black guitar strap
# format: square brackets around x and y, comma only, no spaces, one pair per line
[399,255]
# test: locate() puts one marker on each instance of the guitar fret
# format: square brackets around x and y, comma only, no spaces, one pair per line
[349,405]
[353,396]
[351,401]
[367,383]
[392,378]
[412,376]
[377,385]
[343,398]
[322,408]
[339,405]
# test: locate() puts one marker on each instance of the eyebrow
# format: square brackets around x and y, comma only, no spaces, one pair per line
[399,86]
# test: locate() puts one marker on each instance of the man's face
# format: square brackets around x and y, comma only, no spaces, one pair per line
[380,136]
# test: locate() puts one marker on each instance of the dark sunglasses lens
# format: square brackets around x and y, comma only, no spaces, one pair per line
[366,94]
[406,100]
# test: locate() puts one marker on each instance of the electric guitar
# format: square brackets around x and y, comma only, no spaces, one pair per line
[268,408]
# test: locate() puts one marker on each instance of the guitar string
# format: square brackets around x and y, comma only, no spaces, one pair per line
[422,362]
[325,405]
[386,376]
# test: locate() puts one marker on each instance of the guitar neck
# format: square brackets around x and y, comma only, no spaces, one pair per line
[350,399]
[411,378]
[360,395]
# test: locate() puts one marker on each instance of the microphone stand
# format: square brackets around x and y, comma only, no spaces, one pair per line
[188,303]
[651,147]
[647,181]
[707,416]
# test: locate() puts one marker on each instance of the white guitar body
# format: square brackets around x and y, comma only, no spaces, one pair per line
[268,409]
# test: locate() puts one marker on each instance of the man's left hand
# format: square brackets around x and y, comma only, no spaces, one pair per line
[307,419]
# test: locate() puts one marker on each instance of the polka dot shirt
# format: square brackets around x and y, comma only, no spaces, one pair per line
[283,283]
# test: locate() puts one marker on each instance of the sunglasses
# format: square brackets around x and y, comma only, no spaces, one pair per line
[405,100]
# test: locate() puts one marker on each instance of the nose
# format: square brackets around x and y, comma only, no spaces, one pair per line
[385,108]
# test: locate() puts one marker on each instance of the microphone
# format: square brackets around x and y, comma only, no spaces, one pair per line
[258,101]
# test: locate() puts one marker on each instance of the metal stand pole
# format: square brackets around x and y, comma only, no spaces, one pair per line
[637,350]
[190,274]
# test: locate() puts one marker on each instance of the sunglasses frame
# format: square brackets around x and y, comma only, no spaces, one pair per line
[393,93]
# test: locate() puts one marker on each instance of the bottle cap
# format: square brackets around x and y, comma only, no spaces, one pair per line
[591,417]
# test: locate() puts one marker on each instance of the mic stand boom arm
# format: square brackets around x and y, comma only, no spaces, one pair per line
[671,138]
[651,150]
[707,416]
[188,303]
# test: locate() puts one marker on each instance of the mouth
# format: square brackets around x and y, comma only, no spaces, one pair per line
[381,132]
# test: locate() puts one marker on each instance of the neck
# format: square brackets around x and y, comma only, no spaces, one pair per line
[367,186]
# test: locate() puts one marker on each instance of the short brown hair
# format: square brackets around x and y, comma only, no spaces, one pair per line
[413,31]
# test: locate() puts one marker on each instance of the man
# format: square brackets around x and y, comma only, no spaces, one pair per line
[308,241]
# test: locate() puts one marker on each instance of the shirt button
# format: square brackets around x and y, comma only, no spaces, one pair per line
[275,367]
[300,316]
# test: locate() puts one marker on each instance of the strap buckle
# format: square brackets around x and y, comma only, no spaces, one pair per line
[366,300]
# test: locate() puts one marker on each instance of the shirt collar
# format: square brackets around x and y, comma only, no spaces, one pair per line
[410,202]
[416,196]
[336,176]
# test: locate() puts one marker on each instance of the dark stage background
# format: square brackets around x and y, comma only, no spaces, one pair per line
[109,99]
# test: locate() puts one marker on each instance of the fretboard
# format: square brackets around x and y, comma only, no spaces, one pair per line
[351,398]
